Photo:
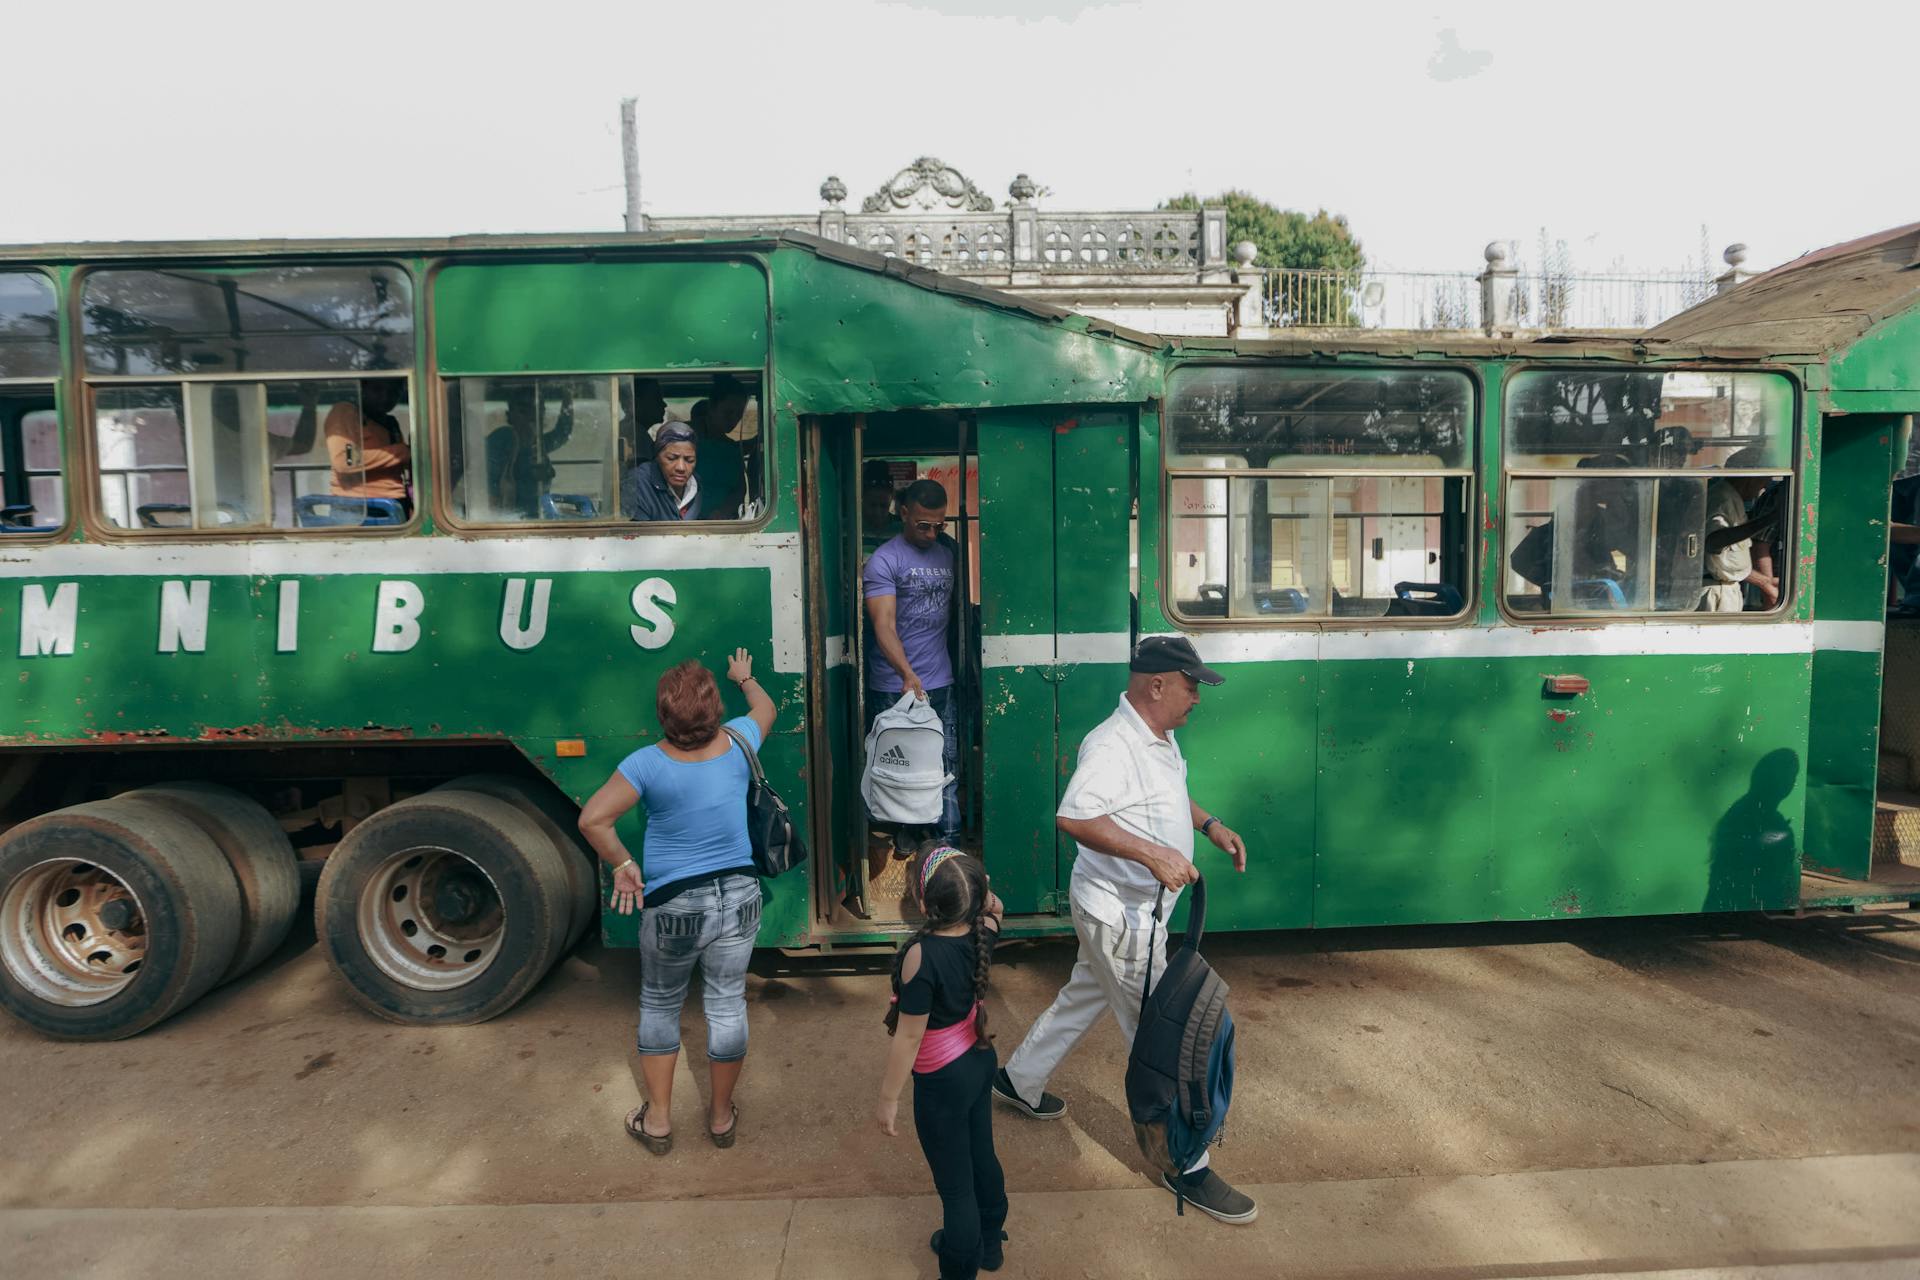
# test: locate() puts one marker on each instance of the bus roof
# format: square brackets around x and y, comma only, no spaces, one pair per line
[1816,304]
[587,243]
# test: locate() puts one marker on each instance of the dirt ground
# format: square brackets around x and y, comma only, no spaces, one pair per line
[1435,1053]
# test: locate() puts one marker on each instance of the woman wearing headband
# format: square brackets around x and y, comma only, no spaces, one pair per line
[665,488]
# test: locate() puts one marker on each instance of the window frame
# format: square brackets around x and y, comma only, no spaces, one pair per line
[1470,474]
[443,495]
[86,500]
[55,385]
[1789,541]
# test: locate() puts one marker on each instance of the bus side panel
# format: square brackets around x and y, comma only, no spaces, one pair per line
[1671,786]
[1093,502]
[1856,468]
[1404,809]
[1016,643]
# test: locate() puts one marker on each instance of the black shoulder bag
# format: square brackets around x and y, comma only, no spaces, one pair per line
[777,847]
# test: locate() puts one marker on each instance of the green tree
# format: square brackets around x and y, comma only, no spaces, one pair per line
[1285,237]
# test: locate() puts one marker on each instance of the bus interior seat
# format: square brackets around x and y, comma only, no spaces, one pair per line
[1425,600]
[568,506]
[1598,593]
[328,510]
[18,519]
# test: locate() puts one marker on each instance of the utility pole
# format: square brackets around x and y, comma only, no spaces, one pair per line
[630,156]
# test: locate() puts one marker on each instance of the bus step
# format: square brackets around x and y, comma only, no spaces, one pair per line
[1896,829]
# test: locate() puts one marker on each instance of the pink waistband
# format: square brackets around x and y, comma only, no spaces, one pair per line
[938,1048]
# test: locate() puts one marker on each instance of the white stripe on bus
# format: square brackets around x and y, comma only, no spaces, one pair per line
[422,557]
[1619,640]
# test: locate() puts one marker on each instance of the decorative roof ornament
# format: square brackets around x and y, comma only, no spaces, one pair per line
[833,191]
[1023,189]
[928,184]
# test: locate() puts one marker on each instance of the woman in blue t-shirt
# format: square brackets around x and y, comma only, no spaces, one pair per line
[700,900]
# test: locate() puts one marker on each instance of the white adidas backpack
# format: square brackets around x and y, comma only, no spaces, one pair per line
[905,773]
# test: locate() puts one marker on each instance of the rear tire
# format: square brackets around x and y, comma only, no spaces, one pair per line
[260,854]
[443,909]
[113,916]
[559,819]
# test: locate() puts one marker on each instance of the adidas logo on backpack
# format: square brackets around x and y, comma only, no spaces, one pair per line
[893,755]
[1180,1072]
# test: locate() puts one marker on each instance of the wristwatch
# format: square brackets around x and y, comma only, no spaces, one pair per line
[1208,823]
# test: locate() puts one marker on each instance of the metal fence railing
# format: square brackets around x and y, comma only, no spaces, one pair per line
[1307,299]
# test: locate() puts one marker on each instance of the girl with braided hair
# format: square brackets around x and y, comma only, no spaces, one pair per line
[938,1022]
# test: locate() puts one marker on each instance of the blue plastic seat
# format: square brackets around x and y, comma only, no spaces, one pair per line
[568,506]
[328,510]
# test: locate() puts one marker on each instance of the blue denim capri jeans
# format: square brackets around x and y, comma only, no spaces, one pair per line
[711,926]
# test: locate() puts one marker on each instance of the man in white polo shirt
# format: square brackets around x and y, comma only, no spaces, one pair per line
[1128,809]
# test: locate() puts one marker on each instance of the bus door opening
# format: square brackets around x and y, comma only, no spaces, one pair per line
[896,451]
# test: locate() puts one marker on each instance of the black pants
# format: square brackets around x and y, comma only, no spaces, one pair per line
[953,1114]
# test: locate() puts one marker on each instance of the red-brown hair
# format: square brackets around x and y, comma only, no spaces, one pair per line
[688,703]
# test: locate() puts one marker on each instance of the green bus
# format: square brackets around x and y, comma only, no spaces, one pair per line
[318,571]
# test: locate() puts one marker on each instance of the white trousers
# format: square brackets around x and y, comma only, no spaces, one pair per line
[1107,975]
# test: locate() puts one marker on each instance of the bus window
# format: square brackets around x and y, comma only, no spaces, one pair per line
[1672,490]
[273,319]
[31,499]
[281,454]
[1312,493]
[544,450]
[250,398]
[29,332]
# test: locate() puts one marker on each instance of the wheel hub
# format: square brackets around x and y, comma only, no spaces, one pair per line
[431,919]
[72,932]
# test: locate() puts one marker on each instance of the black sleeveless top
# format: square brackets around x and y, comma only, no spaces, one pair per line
[943,987]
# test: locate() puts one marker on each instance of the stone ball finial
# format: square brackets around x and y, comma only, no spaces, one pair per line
[1735,255]
[833,191]
[1245,252]
[1496,253]
[1023,188]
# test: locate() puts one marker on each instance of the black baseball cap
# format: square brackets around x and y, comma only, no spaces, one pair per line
[1172,653]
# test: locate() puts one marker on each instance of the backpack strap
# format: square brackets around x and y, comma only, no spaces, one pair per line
[1197,916]
[1146,986]
[753,759]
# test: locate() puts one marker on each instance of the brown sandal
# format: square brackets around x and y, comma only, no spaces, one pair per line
[725,1138]
[657,1143]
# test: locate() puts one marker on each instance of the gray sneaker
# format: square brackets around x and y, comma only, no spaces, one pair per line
[1210,1193]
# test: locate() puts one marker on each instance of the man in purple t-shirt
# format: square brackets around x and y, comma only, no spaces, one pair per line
[908,584]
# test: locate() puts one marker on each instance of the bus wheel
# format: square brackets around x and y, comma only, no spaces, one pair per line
[113,916]
[260,854]
[443,909]
[558,818]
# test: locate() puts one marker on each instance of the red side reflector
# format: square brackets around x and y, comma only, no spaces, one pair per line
[568,748]
[1567,684]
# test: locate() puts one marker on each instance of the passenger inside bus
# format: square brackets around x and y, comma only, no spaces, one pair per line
[722,468]
[667,488]
[365,445]
[519,468]
[1729,563]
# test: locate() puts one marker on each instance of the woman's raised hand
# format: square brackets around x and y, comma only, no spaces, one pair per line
[740,666]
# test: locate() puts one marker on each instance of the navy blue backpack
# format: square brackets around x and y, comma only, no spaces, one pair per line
[1180,1073]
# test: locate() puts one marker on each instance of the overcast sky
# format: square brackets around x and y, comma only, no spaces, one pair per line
[1620,128]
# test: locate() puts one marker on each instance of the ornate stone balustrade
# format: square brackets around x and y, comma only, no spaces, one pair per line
[931,214]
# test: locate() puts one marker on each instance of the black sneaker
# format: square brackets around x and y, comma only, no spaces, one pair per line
[992,1257]
[1050,1108]
[1208,1192]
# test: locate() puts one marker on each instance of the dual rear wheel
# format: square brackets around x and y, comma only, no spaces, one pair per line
[445,908]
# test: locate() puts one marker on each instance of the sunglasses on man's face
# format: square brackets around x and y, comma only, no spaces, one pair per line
[926,526]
